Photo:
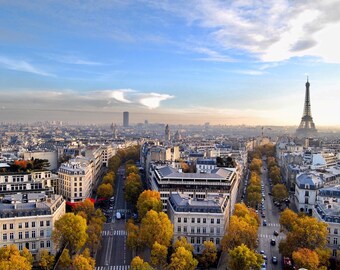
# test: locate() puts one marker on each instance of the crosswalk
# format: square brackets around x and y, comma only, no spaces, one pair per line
[113,267]
[273,224]
[121,210]
[114,232]
[270,236]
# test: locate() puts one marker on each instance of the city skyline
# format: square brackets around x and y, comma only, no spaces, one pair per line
[242,62]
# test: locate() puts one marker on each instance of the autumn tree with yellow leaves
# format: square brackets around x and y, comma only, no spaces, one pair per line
[149,200]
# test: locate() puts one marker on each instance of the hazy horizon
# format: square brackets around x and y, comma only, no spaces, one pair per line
[228,63]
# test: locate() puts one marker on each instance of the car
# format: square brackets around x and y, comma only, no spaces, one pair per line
[274,260]
[276,233]
[264,257]
[264,223]
[262,252]
[273,242]
[263,266]
[123,215]
[118,215]
[263,215]
[270,194]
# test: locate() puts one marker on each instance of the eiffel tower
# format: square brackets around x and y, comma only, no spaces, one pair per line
[307,126]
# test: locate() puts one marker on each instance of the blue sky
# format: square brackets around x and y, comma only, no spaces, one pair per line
[223,62]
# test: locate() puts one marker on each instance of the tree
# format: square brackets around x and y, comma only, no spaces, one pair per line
[280,192]
[10,259]
[256,165]
[131,168]
[306,258]
[133,188]
[86,206]
[241,257]
[159,255]
[183,242]
[105,191]
[271,162]
[185,167]
[65,260]
[324,255]
[132,235]
[239,232]
[46,260]
[182,259]
[81,262]
[114,163]
[275,174]
[27,254]
[109,178]
[93,231]
[287,219]
[254,188]
[254,198]
[138,263]
[156,227]
[70,229]
[248,214]
[209,254]
[147,200]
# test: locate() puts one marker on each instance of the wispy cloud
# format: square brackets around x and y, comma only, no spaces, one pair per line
[72,59]
[21,65]
[212,55]
[249,72]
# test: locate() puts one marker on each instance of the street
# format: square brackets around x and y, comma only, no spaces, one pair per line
[266,233]
[114,253]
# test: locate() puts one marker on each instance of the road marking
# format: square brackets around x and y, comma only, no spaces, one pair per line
[113,267]
[114,232]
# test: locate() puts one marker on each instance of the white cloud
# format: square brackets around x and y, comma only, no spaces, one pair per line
[119,95]
[21,65]
[152,100]
[72,59]
[272,30]
[250,72]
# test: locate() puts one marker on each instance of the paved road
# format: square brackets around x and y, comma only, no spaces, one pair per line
[114,253]
[266,232]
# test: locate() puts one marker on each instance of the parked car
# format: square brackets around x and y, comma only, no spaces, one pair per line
[263,215]
[118,215]
[263,266]
[273,242]
[264,223]
[276,233]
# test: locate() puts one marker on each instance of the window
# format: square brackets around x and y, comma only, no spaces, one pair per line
[20,225]
[26,224]
[33,245]
[306,193]
[204,230]
[42,223]
[33,234]
[20,246]
[212,239]
[192,240]
[218,221]
[4,226]
[198,220]
[204,220]
[335,241]
[20,235]
[218,230]
[217,241]
[192,229]
[212,221]
[27,235]
[42,233]
[11,236]
[306,200]
[198,230]
[33,224]
[335,231]
[179,220]
[47,223]
[198,240]
[185,220]
[211,230]
[334,253]
[42,244]
[192,220]
[185,229]
[11,226]
[48,243]
[179,228]
[4,237]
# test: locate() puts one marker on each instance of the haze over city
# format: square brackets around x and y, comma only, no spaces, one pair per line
[181,62]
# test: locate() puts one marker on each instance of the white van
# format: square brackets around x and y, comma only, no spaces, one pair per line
[118,215]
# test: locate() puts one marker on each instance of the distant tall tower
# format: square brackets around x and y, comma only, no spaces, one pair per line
[125,119]
[307,126]
[167,133]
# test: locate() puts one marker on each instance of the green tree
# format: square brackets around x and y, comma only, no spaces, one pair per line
[65,260]
[209,254]
[10,259]
[241,257]
[138,263]
[158,256]
[182,259]
[280,192]
[70,229]
[254,198]
[45,259]
[149,199]
[105,191]
[156,227]
[133,188]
